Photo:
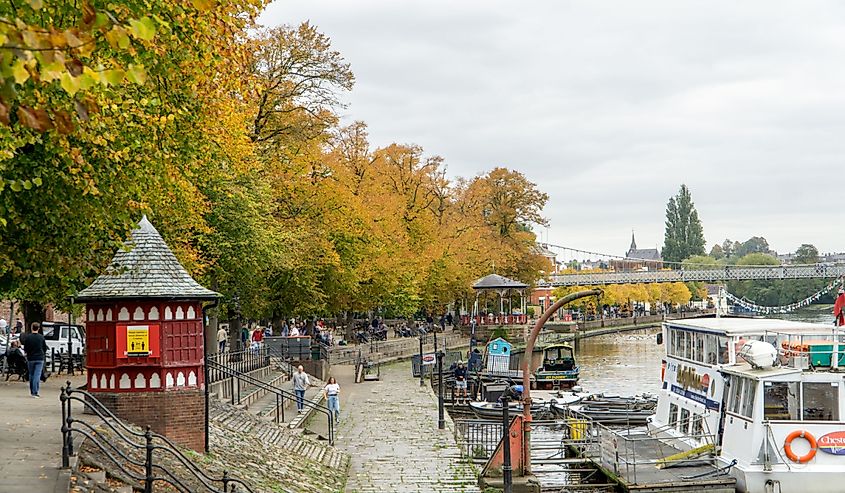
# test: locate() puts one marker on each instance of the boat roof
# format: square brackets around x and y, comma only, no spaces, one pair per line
[746,370]
[737,326]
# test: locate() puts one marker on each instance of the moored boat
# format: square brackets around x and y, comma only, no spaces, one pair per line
[767,394]
[558,370]
[493,410]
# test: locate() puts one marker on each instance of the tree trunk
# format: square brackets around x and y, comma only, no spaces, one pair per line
[33,311]
[234,331]
[350,327]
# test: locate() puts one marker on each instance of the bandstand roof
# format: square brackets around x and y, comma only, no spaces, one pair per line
[495,281]
[145,268]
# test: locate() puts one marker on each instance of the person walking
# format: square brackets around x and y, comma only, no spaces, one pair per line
[221,339]
[301,382]
[332,393]
[35,348]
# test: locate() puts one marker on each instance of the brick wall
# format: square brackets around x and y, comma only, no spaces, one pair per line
[177,414]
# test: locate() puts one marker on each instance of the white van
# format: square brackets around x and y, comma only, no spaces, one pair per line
[57,335]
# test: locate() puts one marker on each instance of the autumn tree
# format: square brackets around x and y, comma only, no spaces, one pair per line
[684,235]
[102,122]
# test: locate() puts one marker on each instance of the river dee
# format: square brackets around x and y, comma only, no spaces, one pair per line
[629,363]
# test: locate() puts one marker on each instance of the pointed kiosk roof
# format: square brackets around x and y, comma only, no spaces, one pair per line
[145,268]
[495,281]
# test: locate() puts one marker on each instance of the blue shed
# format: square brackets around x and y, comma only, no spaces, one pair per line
[499,355]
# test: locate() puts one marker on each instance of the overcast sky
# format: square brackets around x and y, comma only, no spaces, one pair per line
[610,106]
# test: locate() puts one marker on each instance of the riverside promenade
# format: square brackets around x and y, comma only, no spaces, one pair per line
[389,427]
[30,437]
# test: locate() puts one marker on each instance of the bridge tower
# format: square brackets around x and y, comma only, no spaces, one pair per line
[145,339]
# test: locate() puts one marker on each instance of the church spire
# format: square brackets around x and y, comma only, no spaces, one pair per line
[633,243]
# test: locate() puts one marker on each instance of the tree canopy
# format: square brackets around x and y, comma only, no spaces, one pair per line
[228,137]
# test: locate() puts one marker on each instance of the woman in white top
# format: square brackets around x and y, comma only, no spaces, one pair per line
[332,392]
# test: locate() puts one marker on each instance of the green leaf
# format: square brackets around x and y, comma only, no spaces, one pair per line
[19,71]
[70,84]
[143,28]
[136,74]
[113,77]
[16,186]
[36,4]
[37,181]
[101,20]
[27,184]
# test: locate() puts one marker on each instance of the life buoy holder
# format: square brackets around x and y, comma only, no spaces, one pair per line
[787,446]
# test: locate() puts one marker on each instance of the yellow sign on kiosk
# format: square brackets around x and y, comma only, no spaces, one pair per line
[138,340]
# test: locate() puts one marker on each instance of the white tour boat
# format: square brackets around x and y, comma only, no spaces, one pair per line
[766,394]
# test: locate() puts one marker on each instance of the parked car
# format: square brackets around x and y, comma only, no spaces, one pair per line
[57,335]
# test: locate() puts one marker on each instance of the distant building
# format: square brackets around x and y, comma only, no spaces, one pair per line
[542,250]
[638,259]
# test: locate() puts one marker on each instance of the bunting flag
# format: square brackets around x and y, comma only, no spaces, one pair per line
[767,310]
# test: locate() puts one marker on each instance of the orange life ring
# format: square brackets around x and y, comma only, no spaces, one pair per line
[787,446]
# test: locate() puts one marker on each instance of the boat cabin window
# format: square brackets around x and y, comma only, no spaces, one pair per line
[780,401]
[704,348]
[557,353]
[697,426]
[684,422]
[821,401]
[741,395]
[673,414]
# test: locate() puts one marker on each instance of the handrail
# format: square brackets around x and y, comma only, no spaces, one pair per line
[284,394]
[70,425]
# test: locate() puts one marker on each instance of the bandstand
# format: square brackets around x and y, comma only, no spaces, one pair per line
[503,287]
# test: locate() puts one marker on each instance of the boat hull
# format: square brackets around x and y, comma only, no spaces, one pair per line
[490,410]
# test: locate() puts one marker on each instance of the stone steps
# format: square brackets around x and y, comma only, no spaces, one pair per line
[228,416]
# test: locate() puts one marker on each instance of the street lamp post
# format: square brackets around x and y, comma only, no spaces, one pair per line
[422,382]
[441,422]
[507,469]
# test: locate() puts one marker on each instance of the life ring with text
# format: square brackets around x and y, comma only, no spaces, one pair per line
[787,446]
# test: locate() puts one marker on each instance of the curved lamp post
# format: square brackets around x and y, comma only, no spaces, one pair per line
[526,373]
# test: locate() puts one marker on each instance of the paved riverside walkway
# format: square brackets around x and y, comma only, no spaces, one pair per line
[389,427]
[30,436]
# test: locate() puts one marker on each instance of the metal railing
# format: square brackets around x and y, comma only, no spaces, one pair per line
[154,471]
[477,439]
[625,451]
[241,361]
[281,394]
[726,273]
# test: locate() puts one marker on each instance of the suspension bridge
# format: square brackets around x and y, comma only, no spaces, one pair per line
[708,274]
[713,275]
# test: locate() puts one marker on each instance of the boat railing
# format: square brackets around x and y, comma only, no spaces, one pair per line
[631,450]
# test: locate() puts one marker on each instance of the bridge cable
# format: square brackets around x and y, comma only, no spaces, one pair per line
[757,308]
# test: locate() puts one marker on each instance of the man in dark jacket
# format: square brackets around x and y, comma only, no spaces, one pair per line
[35,348]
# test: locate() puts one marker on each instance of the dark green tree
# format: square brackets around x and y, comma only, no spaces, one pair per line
[806,254]
[684,235]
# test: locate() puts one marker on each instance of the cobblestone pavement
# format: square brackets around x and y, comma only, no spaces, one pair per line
[389,428]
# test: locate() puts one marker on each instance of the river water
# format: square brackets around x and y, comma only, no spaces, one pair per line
[629,363]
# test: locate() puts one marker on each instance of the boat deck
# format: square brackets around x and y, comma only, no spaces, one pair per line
[633,458]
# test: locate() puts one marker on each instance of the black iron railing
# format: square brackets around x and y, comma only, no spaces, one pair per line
[477,438]
[281,395]
[242,361]
[150,443]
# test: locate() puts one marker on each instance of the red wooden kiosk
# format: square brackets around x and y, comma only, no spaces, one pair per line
[145,339]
